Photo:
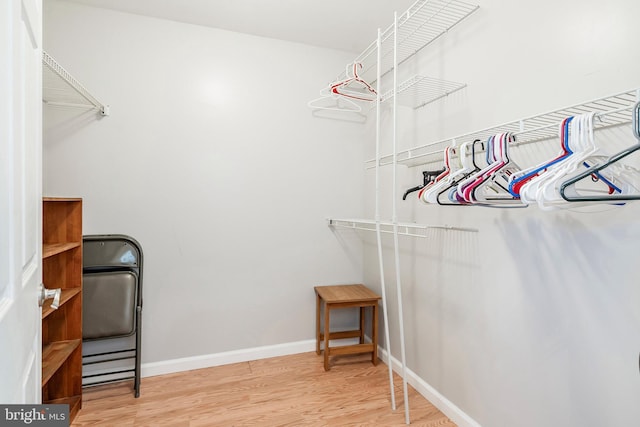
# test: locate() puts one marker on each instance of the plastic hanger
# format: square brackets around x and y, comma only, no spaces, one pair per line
[527,191]
[441,175]
[363,90]
[469,168]
[586,153]
[518,179]
[462,168]
[580,141]
[448,155]
[583,145]
[494,190]
[623,185]
[465,183]
[498,157]
[332,102]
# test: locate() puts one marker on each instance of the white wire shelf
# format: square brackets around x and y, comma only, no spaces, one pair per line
[404,229]
[612,111]
[420,25]
[59,87]
[419,91]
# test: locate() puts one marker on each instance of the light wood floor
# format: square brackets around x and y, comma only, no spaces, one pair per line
[283,391]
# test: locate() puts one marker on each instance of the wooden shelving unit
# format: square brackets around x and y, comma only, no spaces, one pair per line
[62,327]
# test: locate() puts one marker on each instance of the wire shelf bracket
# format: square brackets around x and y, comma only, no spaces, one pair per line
[59,87]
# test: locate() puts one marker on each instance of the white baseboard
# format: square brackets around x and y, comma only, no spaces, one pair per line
[237,356]
[447,407]
[457,415]
[225,358]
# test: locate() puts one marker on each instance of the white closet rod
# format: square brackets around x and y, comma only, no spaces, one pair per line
[611,110]
[72,84]
[410,229]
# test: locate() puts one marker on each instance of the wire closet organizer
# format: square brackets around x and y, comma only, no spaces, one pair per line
[60,88]
[419,26]
[422,24]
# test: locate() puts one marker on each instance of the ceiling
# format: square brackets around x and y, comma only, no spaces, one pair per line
[349,25]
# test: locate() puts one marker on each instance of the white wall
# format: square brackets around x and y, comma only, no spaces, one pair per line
[213,162]
[533,320]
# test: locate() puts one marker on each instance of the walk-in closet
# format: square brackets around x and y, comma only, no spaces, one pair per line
[475,164]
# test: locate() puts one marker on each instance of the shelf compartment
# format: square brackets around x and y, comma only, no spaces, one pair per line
[419,91]
[54,355]
[404,229]
[61,221]
[52,249]
[65,297]
[613,110]
[59,87]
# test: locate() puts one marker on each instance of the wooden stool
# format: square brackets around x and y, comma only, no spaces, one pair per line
[345,296]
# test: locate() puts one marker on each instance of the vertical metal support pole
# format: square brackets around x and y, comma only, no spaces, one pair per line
[378,231]
[394,220]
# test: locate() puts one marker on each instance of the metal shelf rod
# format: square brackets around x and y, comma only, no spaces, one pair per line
[360,224]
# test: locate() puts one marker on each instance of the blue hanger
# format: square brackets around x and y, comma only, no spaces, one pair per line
[528,176]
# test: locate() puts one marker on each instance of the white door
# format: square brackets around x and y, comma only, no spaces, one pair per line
[20,200]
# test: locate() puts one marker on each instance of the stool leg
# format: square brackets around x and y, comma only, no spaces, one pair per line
[327,310]
[317,324]
[374,338]
[361,325]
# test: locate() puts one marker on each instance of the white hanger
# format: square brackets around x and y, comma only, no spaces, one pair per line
[621,178]
[333,102]
[494,150]
[583,144]
[528,190]
[447,154]
[617,178]
[462,167]
[353,86]
[495,189]
[471,178]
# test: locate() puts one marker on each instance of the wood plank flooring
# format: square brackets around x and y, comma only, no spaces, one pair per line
[283,391]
